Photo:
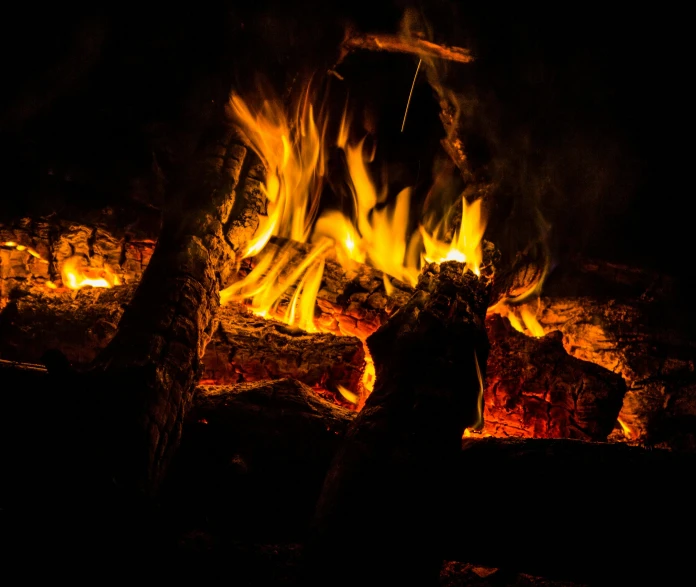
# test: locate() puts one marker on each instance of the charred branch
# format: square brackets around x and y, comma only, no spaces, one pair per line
[403,44]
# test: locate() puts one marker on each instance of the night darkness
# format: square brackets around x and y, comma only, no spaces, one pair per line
[578,110]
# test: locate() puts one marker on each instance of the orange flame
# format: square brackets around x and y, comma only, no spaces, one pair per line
[76,274]
[378,231]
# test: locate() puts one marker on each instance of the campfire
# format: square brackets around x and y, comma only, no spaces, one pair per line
[323,347]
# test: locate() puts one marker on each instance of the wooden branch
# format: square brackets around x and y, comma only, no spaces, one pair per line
[388,484]
[402,44]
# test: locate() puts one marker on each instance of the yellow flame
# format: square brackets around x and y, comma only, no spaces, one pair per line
[627,432]
[530,321]
[76,274]
[347,394]
[465,247]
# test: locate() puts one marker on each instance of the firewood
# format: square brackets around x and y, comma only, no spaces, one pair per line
[535,389]
[385,491]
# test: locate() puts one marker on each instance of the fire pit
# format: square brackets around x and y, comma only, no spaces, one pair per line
[319,324]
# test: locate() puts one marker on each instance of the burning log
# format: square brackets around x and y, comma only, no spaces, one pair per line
[391,476]
[535,389]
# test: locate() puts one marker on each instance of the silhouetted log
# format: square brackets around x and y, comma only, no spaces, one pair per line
[154,361]
[388,487]
[535,389]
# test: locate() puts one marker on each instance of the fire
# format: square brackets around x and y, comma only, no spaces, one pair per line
[367,224]
[376,230]
[77,275]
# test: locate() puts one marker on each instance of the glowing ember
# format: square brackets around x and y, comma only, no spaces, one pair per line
[76,275]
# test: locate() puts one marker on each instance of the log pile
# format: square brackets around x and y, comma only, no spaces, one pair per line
[245,348]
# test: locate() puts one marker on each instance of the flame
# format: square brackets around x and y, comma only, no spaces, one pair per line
[348,395]
[627,432]
[465,247]
[368,225]
[77,275]
[522,318]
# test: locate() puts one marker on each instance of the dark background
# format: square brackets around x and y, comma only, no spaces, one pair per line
[578,111]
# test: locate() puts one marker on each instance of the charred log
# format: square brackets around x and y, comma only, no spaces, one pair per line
[402,44]
[390,478]
[535,389]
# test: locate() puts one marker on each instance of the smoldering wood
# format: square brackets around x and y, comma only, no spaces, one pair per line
[388,484]
[535,389]
[649,345]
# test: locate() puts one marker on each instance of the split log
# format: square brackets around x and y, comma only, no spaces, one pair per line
[385,494]
[535,389]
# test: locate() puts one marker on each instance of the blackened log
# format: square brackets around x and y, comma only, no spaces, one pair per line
[154,360]
[385,494]
[402,44]
[569,509]
[535,389]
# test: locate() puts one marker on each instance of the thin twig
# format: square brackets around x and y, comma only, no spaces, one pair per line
[408,103]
